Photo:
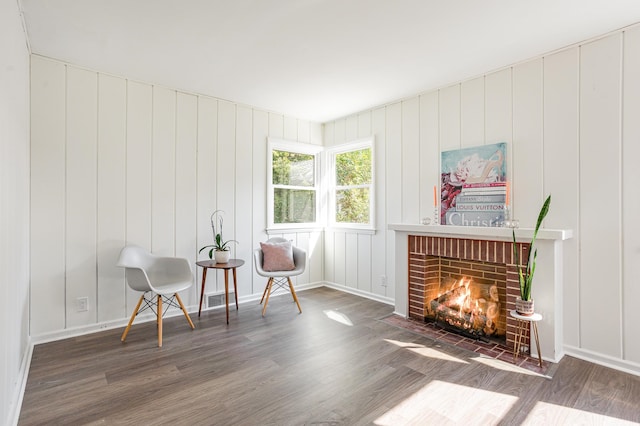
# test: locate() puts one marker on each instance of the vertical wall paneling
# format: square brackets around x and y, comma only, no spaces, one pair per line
[244,199]
[259,191]
[364,263]
[351,128]
[630,198]
[393,166]
[290,128]
[139,131]
[561,156]
[527,149]
[340,132]
[600,118]
[14,210]
[304,131]
[276,126]
[351,260]
[81,169]
[429,155]
[379,239]
[411,160]
[328,248]
[206,182]
[365,240]
[498,107]
[47,195]
[329,256]
[340,257]
[316,256]
[163,181]
[364,125]
[117,162]
[226,200]
[450,118]
[185,184]
[303,241]
[472,112]
[111,220]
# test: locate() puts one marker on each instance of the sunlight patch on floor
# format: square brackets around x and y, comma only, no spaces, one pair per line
[425,351]
[338,317]
[503,365]
[544,413]
[448,403]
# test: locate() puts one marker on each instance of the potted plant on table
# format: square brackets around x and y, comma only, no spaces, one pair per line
[220,249]
[524,303]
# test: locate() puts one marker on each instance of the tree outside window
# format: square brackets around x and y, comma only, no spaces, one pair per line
[353,185]
[294,197]
[293,184]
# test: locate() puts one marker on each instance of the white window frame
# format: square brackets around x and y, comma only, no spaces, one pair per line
[332,187]
[298,148]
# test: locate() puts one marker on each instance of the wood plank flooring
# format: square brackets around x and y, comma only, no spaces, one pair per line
[334,364]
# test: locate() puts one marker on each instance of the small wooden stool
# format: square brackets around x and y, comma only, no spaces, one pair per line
[523,323]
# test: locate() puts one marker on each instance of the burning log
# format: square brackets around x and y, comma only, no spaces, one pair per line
[475,316]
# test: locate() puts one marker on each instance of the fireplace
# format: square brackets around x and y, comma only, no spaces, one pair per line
[469,298]
[422,253]
[465,285]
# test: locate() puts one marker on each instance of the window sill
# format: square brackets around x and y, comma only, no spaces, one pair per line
[350,230]
[293,230]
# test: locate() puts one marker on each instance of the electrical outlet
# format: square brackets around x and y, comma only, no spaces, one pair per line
[383,280]
[82,304]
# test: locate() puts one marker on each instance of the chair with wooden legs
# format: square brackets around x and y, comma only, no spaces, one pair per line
[278,261]
[159,279]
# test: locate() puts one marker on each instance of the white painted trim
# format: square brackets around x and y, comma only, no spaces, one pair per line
[493,232]
[371,296]
[15,404]
[604,360]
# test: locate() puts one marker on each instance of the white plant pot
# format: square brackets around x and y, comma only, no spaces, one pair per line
[222,256]
[524,307]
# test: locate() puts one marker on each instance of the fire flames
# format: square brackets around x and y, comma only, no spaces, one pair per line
[471,308]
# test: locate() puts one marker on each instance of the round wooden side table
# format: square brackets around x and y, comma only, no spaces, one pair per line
[211,264]
[522,330]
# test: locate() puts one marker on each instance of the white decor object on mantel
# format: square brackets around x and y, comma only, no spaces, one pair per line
[549,273]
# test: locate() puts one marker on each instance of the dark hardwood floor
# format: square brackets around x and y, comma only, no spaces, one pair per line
[334,364]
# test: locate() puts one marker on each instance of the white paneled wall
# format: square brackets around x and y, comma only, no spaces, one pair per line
[118,162]
[14,211]
[570,119]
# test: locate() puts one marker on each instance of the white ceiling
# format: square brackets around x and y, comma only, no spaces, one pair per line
[312,59]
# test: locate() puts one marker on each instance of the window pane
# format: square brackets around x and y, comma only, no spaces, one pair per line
[352,205]
[290,168]
[353,168]
[294,206]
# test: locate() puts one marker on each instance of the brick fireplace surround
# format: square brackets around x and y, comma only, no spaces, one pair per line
[421,244]
[429,257]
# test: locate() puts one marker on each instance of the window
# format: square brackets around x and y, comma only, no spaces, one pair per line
[293,184]
[351,177]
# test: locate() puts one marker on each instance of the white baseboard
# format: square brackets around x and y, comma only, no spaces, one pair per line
[367,295]
[15,404]
[604,360]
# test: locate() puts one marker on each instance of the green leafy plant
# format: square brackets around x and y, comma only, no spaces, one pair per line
[219,244]
[525,274]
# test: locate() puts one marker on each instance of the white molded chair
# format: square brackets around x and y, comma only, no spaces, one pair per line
[279,279]
[158,278]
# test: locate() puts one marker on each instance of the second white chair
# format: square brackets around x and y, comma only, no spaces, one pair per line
[278,260]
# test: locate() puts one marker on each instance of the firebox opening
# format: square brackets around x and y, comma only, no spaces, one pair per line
[470,306]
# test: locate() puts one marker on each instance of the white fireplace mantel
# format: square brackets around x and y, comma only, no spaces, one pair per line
[481,232]
[548,282]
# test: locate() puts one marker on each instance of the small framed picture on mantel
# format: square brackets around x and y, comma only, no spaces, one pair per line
[474,190]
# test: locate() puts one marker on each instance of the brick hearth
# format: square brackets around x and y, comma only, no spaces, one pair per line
[429,257]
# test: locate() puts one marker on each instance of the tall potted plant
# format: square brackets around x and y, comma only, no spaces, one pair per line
[524,303]
[220,248]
